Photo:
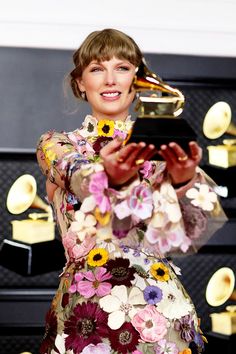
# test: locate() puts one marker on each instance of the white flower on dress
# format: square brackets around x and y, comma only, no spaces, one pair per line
[168,237]
[173,304]
[89,127]
[83,225]
[109,245]
[166,206]
[87,169]
[119,304]
[202,197]
[60,344]
[88,204]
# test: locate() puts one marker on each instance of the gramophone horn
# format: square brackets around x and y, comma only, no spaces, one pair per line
[220,287]
[22,195]
[164,95]
[217,121]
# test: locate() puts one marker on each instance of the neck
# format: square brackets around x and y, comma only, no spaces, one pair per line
[122,117]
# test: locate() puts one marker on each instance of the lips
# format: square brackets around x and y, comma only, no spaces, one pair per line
[110,94]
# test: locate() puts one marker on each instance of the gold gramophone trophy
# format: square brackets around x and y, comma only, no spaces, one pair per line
[221,288]
[159,106]
[22,196]
[217,122]
[32,245]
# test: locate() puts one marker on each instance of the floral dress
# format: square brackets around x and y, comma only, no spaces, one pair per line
[119,292]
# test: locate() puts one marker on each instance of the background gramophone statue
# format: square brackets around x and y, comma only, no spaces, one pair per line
[220,288]
[22,196]
[159,106]
[216,123]
[30,249]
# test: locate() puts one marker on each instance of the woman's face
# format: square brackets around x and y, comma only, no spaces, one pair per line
[107,85]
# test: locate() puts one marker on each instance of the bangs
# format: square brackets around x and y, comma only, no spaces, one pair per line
[102,46]
[107,48]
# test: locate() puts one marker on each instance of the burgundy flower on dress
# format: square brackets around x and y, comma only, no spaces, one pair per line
[125,339]
[100,143]
[122,273]
[65,300]
[88,324]
[195,220]
[48,342]
[185,326]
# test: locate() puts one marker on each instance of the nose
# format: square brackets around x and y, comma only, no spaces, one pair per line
[110,78]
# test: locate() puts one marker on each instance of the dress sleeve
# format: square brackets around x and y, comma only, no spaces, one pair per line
[167,220]
[67,160]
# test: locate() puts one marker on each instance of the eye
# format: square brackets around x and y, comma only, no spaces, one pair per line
[123,68]
[96,69]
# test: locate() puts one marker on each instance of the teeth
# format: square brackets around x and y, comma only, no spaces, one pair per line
[110,94]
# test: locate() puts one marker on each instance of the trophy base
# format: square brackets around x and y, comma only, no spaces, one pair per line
[222,155]
[224,322]
[32,259]
[158,131]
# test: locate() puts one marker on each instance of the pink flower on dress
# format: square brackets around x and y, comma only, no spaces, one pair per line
[164,347]
[120,134]
[74,247]
[151,325]
[146,169]
[100,348]
[98,186]
[167,238]
[77,278]
[139,204]
[95,283]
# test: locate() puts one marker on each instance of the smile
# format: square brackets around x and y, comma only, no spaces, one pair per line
[110,94]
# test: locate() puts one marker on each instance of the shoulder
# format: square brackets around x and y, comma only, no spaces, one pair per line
[52,137]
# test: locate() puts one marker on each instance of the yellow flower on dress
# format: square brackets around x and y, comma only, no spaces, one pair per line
[186,351]
[49,153]
[106,128]
[160,272]
[103,219]
[97,257]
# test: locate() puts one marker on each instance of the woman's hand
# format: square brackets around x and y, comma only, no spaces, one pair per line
[122,163]
[180,165]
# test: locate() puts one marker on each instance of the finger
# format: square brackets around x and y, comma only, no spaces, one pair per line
[179,153]
[111,147]
[135,154]
[168,154]
[147,152]
[195,151]
[125,152]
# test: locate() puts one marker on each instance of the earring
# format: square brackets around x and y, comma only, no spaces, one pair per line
[83,95]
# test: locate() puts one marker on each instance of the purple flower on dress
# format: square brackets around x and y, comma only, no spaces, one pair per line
[152,294]
[195,220]
[185,326]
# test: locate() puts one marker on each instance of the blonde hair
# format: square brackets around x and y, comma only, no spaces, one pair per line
[103,45]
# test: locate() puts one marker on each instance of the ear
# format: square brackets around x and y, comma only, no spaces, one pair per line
[80,84]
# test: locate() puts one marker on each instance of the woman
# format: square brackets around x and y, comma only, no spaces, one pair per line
[119,215]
